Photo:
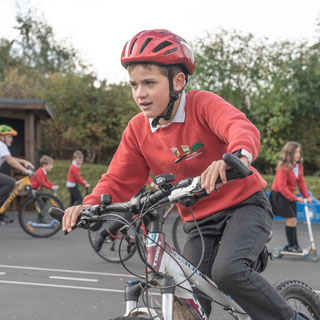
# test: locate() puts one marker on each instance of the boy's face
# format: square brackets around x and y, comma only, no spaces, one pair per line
[48,167]
[78,161]
[150,90]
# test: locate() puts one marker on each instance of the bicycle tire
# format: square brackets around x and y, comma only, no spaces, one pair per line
[110,247]
[175,232]
[34,217]
[300,297]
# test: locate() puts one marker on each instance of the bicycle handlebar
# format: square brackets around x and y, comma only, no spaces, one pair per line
[187,191]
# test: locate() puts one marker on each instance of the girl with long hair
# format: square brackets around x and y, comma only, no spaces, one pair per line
[289,175]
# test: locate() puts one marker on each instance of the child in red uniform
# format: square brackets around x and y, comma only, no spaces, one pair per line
[289,174]
[74,178]
[40,178]
[186,134]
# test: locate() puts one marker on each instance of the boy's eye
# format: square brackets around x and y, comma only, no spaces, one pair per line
[149,83]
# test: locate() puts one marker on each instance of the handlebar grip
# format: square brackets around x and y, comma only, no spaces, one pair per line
[56,213]
[239,169]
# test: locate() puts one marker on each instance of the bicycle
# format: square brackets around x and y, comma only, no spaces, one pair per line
[33,214]
[173,274]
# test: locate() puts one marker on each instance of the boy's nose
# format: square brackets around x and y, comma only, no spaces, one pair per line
[141,92]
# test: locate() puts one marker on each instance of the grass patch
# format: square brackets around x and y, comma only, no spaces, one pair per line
[93,172]
[90,172]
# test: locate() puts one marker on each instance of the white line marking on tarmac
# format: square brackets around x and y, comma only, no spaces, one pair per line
[68,271]
[60,286]
[80,272]
[2,273]
[37,284]
[74,279]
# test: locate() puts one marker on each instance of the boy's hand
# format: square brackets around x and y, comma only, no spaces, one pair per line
[87,185]
[210,175]
[70,217]
[28,164]
[28,172]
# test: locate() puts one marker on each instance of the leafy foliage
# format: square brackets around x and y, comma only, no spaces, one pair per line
[88,114]
[275,84]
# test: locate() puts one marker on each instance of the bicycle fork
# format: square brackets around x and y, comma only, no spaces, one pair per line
[133,292]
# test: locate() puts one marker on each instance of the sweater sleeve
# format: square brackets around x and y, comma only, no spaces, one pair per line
[282,179]
[231,125]
[127,173]
[302,183]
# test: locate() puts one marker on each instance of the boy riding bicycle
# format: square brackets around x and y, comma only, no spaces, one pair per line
[40,178]
[186,134]
[7,183]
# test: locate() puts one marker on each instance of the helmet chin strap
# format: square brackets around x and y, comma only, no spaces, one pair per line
[174,96]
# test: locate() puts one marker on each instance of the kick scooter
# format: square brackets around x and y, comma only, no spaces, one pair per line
[307,252]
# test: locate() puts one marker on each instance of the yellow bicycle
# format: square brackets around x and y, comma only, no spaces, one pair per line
[33,213]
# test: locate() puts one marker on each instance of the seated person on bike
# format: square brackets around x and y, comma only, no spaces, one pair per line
[187,134]
[7,183]
[40,177]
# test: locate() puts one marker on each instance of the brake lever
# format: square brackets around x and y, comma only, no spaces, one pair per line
[190,190]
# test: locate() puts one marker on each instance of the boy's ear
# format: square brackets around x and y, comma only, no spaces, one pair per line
[179,81]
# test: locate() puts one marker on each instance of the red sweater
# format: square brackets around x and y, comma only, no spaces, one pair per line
[212,127]
[40,179]
[74,175]
[285,182]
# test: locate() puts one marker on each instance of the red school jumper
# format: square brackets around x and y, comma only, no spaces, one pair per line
[211,128]
[74,175]
[40,179]
[285,182]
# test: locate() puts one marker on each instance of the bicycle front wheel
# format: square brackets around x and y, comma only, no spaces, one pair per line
[300,297]
[34,216]
[114,246]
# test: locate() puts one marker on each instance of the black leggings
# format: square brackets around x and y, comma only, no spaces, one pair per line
[75,196]
[7,184]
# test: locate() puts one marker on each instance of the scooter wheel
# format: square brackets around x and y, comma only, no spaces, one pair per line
[276,253]
[315,256]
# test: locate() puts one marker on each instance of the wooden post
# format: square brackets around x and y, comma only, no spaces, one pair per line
[29,136]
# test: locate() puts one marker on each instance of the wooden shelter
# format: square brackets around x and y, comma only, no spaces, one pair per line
[24,116]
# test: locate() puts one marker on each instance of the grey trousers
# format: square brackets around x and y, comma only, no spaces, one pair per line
[7,184]
[233,239]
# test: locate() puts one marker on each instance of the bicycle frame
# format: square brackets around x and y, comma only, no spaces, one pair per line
[20,185]
[174,270]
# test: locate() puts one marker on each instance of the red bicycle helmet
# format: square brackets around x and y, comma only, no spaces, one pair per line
[158,46]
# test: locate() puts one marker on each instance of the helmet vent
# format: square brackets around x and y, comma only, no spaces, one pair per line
[134,42]
[170,51]
[145,44]
[162,45]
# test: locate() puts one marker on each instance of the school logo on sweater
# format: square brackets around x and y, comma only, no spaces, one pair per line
[187,152]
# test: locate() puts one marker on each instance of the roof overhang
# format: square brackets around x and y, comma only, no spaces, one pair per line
[39,107]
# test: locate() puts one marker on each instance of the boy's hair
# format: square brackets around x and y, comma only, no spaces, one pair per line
[287,155]
[77,155]
[45,160]
[163,69]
